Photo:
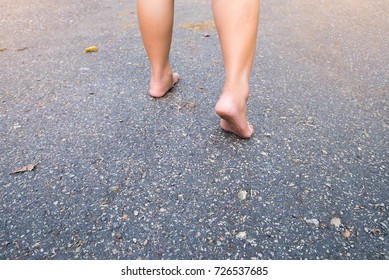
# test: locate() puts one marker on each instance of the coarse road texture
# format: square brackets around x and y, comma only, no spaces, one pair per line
[116,174]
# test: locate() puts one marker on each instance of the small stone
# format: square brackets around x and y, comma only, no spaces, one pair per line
[336,222]
[241,235]
[211,241]
[322,225]
[16,126]
[115,189]
[375,231]
[124,217]
[242,195]
[313,221]
[136,213]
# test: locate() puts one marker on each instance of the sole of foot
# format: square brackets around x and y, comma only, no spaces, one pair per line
[233,116]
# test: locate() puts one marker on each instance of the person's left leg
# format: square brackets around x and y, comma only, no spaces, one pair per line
[156,25]
[237,24]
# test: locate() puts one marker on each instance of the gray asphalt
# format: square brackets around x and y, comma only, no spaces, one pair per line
[120,175]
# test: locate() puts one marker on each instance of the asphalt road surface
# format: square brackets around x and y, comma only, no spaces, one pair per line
[91,167]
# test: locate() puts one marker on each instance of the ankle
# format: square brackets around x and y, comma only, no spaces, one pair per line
[239,89]
[160,73]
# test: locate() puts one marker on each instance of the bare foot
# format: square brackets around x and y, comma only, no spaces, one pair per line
[161,87]
[232,110]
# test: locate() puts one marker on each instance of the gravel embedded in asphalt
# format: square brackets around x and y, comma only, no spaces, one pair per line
[119,175]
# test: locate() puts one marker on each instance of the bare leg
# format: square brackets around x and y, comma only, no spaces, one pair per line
[237,25]
[156,25]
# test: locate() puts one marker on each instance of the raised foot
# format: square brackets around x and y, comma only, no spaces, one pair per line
[161,87]
[233,114]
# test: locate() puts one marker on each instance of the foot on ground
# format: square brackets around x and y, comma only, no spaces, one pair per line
[161,87]
[232,110]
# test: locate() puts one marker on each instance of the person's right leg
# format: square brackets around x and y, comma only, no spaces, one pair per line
[156,25]
[237,24]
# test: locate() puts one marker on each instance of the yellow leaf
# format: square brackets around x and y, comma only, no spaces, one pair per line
[91,49]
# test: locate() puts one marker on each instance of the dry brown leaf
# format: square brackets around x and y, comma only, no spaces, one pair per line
[78,243]
[26,168]
[189,105]
[199,26]
[104,204]
[346,233]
